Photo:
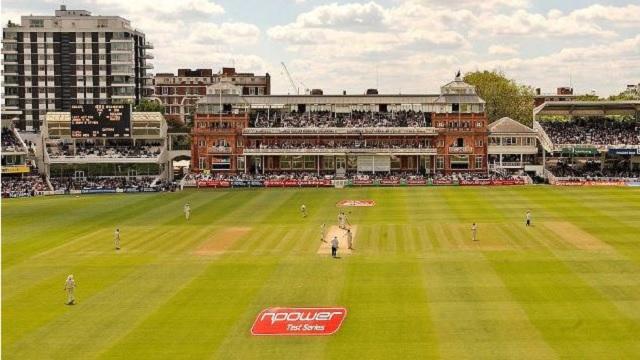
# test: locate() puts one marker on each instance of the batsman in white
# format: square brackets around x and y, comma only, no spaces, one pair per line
[322,233]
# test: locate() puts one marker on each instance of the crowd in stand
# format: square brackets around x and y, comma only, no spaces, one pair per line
[593,131]
[23,186]
[89,149]
[9,141]
[336,144]
[355,119]
[95,183]
[351,175]
[593,170]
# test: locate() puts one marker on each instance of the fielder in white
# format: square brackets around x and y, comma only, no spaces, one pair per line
[69,286]
[474,232]
[303,210]
[350,239]
[187,211]
[116,239]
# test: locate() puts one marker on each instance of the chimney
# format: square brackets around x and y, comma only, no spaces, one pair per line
[63,7]
[344,92]
[538,91]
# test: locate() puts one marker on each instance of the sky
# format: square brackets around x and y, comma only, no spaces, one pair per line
[396,46]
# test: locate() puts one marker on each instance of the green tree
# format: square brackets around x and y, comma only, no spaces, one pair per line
[149,106]
[588,97]
[503,96]
[625,96]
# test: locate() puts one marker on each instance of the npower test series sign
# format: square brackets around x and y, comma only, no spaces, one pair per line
[299,321]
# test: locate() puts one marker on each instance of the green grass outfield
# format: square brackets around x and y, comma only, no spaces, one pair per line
[416,287]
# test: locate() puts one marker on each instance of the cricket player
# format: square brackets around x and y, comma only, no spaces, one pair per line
[69,286]
[322,233]
[350,239]
[528,217]
[474,232]
[342,219]
[187,211]
[303,210]
[334,247]
[116,239]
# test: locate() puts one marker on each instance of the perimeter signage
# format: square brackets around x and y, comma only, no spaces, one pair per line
[316,321]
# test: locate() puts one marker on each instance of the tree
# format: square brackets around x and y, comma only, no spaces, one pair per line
[625,95]
[504,97]
[149,106]
[588,97]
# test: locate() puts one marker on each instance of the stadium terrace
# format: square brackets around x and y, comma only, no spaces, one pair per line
[325,140]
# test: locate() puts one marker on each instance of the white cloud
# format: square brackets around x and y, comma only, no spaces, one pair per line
[413,45]
[352,15]
[524,23]
[225,33]
[502,50]
[156,7]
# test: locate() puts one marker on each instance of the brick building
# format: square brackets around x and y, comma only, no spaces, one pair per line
[72,57]
[180,93]
[340,134]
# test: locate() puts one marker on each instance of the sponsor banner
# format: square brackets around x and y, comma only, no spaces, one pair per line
[75,192]
[247,183]
[623,151]
[507,182]
[214,183]
[97,191]
[361,182]
[477,182]
[633,183]
[239,183]
[315,183]
[390,182]
[605,183]
[579,151]
[316,321]
[15,169]
[281,183]
[442,182]
[355,203]
[414,182]
[590,183]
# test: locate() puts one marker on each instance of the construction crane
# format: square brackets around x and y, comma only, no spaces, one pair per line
[291,82]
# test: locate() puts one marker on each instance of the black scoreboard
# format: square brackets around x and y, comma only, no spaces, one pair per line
[101,120]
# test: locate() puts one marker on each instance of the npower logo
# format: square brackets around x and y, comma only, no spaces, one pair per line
[299,321]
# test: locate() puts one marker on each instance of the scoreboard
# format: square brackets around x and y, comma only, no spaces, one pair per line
[101,120]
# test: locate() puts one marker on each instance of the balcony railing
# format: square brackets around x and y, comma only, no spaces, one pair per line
[219,150]
[460,150]
[343,150]
[342,131]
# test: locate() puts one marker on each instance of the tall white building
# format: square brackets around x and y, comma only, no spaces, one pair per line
[53,62]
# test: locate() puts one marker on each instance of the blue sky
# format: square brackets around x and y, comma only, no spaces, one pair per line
[414,46]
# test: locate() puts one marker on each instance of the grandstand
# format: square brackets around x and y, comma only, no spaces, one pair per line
[342,135]
[596,142]
[19,173]
[136,161]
